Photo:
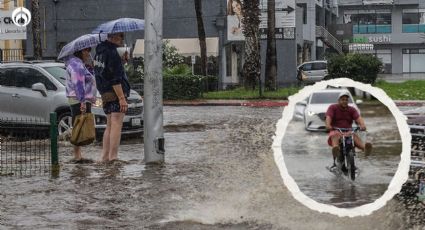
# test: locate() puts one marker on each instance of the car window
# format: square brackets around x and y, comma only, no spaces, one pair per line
[319,66]
[326,98]
[26,77]
[6,77]
[57,72]
[307,67]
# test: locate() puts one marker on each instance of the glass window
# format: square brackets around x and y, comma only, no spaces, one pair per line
[319,66]
[307,67]
[411,20]
[26,77]
[229,61]
[6,77]
[370,22]
[304,7]
[326,98]
[57,72]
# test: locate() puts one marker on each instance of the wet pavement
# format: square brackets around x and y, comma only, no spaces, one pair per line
[307,154]
[219,174]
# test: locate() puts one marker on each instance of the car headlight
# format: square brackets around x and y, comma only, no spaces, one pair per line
[311,113]
[98,102]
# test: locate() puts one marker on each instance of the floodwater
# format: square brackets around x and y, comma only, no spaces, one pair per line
[219,174]
[307,154]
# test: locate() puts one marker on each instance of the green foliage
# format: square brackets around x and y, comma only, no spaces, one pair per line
[132,74]
[170,59]
[178,81]
[210,83]
[180,69]
[182,87]
[359,67]
[408,90]
[242,93]
[170,55]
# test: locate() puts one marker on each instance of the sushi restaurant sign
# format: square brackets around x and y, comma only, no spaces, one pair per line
[372,39]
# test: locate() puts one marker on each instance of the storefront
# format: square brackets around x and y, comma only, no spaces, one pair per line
[397,54]
[413,60]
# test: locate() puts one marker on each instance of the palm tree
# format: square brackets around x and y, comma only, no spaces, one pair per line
[201,35]
[36,31]
[271,65]
[251,24]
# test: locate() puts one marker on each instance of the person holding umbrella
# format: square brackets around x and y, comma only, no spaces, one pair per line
[80,81]
[112,81]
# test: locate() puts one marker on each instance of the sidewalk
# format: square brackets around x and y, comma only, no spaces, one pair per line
[398,78]
[261,103]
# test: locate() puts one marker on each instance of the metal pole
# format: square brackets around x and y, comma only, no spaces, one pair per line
[153,116]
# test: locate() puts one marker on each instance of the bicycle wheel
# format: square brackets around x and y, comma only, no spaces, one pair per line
[351,167]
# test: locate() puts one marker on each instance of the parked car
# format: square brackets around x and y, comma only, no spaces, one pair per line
[313,71]
[30,91]
[315,106]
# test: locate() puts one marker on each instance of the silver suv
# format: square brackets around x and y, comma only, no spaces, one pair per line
[314,71]
[30,91]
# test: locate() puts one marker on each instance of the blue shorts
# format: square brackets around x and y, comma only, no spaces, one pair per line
[111,107]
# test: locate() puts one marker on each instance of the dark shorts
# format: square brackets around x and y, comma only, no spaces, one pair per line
[111,107]
[75,110]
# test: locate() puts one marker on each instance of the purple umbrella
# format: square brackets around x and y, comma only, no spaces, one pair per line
[80,43]
[120,25]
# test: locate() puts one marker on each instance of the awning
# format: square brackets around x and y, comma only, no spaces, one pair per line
[185,46]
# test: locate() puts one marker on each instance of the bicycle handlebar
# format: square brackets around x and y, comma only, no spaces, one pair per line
[347,129]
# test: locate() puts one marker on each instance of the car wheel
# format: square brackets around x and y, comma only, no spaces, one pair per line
[64,123]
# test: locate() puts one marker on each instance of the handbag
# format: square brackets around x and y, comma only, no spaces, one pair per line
[303,76]
[83,131]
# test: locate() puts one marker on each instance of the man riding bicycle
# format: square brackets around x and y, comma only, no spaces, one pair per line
[341,115]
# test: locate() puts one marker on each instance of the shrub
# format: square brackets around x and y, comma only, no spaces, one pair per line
[210,83]
[359,67]
[182,87]
[180,69]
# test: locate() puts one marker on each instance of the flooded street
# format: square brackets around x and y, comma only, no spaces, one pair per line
[219,174]
[307,154]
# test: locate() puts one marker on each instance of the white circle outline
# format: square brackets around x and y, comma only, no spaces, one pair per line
[397,181]
[19,10]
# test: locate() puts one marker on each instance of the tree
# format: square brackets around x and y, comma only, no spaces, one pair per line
[251,24]
[201,35]
[271,60]
[36,31]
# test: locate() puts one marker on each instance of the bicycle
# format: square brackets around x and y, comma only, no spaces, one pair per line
[347,150]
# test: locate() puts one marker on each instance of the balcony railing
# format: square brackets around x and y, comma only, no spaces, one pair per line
[413,28]
[372,29]
[328,38]
[11,55]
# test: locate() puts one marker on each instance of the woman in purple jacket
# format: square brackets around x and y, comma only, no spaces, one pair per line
[80,89]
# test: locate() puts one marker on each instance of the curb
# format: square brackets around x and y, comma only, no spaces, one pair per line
[261,103]
[228,103]
[409,103]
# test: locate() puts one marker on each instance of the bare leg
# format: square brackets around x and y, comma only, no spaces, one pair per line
[365,147]
[77,152]
[335,145]
[115,134]
[105,144]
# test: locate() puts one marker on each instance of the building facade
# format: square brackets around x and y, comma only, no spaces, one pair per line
[393,30]
[315,40]
[12,37]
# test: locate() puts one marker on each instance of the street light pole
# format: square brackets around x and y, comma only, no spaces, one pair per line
[153,116]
